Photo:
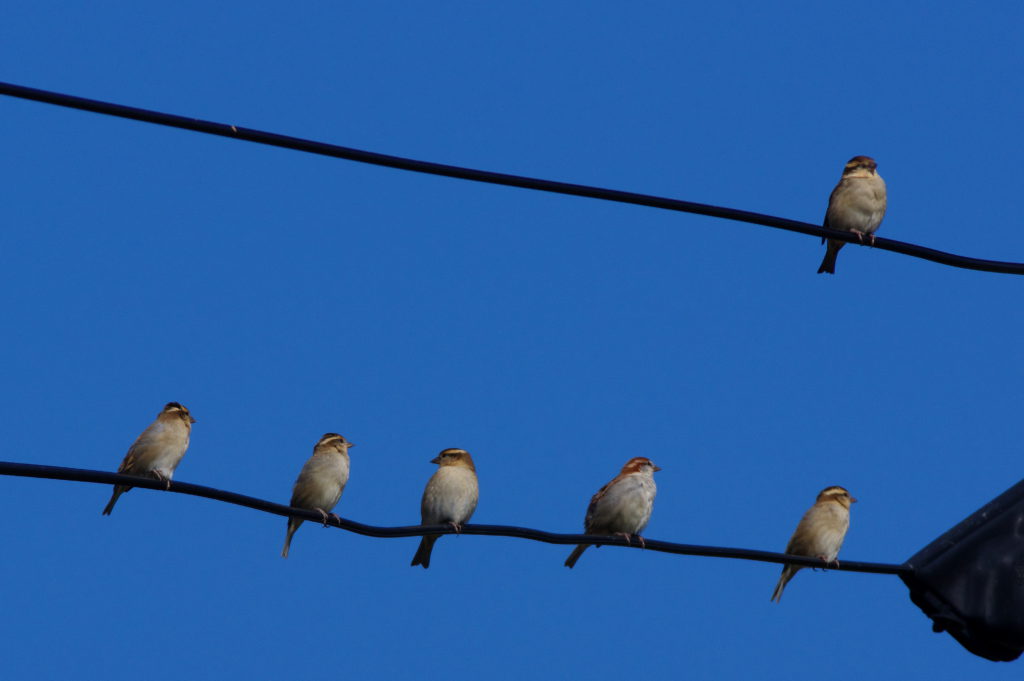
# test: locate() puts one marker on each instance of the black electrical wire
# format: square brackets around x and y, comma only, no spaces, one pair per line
[84,475]
[335,151]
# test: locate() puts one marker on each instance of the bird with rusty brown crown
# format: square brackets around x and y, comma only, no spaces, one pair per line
[623,506]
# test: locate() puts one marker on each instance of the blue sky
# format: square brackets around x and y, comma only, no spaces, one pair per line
[281,295]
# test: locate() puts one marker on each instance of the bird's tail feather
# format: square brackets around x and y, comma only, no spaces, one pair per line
[575,555]
[828,263]
[118,491]
[787,574]
[422,556]
[293,525]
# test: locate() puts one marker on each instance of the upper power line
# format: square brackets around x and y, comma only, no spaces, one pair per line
[324,149]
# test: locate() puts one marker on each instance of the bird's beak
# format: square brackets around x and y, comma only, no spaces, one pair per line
[436,459]
[191,419]
[852,500]
[351,444]
[657,468]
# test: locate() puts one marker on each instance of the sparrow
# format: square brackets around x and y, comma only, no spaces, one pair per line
[623,506]
[857,205]
[450,497]
[158,451]
[820,532]
[321,481]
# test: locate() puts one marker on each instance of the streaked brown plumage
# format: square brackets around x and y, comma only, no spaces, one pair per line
[819,534]
[623,506]
[158,450]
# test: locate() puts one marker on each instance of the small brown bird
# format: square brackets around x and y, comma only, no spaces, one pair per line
[158,451]
[450,497]
[623,506]
[321,481]
[857,205]
[819,534]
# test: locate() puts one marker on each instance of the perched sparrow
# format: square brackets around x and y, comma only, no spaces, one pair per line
[623,506]
[450,497]
[158,451]
[321,481]
[856,205]
[820,532]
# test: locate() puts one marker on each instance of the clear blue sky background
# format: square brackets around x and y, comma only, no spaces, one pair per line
[282,295]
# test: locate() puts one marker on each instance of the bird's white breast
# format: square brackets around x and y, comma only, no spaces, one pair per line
[859,205]
[625,507]
[321,481]
[830,523]
[450,496]
[161,448]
